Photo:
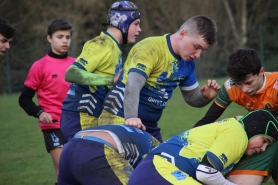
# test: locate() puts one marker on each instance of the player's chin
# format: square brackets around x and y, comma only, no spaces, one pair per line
[62,51]
[132,40]
[186,58]
[249,153]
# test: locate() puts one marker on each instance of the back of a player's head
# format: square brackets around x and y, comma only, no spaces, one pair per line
[260,122]
[243,62]
[203,26]
[59,24]
[6,30]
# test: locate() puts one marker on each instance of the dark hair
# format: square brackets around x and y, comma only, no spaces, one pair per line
[204,26]
[243,62]
[59,24]
[207,27]
[6,29]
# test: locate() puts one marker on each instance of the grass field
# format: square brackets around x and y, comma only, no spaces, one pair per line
[24,160]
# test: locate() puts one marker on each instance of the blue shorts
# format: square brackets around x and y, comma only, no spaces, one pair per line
[155,169]
[70,124]
[87,162]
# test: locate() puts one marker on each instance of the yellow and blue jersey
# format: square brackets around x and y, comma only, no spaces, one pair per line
[162,68]
[224,143]
[155,59]
[101,55]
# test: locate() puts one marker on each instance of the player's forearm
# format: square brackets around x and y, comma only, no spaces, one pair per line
[195,98]
[211,176]
[212,115]
[82,77]
[133,87]
[26,103]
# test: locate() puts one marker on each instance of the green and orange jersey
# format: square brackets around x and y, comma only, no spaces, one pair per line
[266,97]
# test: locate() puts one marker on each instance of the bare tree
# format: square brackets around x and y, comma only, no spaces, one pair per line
[240,34]
[237,20]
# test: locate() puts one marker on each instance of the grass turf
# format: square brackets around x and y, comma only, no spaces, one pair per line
[23,157]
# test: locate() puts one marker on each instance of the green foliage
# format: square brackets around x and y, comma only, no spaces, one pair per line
[24,160]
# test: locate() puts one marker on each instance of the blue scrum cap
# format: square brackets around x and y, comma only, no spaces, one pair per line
[121,15]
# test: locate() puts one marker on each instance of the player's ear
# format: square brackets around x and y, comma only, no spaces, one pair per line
[182,34]
[262,70]
[49,39]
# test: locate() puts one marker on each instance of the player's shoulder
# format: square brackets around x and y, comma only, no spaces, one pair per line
[40,62]
[153,47]
[152,38]
[232,126]
[97,48]
[271,79]
[151,41]
[229,83]
[271,75]
[102,40]
[229,122]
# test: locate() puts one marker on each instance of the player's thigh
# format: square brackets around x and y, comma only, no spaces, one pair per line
[90,163]
[55,155]
[53,138]
[120,166]
[70,124]
[65,176]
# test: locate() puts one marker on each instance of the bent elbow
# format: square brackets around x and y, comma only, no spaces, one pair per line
[67,77]
[71,74]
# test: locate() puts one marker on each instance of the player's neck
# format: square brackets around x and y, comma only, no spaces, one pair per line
[54,55]
[116,33]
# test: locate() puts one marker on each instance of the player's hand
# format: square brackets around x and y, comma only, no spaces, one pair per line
[135,122]
[116,77]
[210,90]
[45,117]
